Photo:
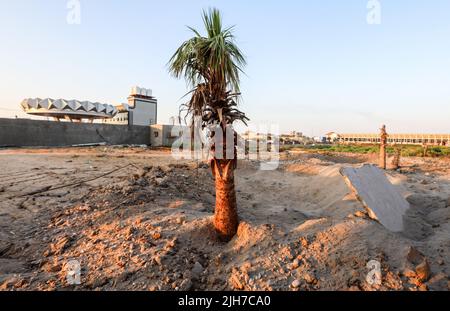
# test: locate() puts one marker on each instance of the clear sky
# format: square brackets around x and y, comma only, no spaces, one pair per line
[313,66]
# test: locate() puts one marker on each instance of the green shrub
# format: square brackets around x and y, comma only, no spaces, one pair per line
[406,150]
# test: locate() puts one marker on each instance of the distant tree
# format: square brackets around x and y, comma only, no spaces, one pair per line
[211,65]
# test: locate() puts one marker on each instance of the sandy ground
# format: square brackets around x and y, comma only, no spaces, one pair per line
[136,219]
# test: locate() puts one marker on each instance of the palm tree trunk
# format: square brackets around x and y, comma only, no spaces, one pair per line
[225,215]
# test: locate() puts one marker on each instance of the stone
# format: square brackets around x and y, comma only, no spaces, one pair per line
[236,282]
[55,268]
[99,282]
[423,288]
[8,283]
[360,214]
[414,256]
[296,284]
[438,282]
[304,242]
[423,271]
[47,253]
[354,288]
[310,279]
[197,270]
[382,201]
[295,264]
[141,182]
[157,260]
[186,285]
[409,273]
[124,276]
[177,275]
[415,282]
[354,279]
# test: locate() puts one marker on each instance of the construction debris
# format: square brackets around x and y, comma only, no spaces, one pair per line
[377,194]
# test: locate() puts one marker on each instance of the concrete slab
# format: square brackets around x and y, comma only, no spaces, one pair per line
[383,202]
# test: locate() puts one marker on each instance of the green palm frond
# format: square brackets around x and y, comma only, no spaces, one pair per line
[211,66]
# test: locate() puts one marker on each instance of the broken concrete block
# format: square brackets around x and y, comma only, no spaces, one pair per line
[423,271]
[383,202]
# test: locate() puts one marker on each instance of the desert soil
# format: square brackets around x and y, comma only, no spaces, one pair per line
[137,219]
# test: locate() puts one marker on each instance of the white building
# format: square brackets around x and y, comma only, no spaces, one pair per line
[141,109]
[332,137]
[68,110]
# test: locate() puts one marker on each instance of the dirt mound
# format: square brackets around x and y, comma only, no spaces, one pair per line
[149,226]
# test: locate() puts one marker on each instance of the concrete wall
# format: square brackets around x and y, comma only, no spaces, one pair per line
[24,132]
[156,135]
[161,134]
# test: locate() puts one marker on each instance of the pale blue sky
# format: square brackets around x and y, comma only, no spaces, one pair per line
[313,66]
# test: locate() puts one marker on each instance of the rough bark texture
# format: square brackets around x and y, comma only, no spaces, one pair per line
[225,215]
[383,141]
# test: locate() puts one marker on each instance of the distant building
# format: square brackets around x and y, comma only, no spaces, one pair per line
[400,139]
[141,109]
[293,138]
[318,139]
[331,137]
[253,136]
[68,110]
[121,117]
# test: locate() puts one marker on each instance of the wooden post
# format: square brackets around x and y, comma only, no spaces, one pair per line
[383,143]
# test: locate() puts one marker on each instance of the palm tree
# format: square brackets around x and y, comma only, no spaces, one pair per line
[211,65]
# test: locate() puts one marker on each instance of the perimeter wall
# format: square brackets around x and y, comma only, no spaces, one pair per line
[25,132]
